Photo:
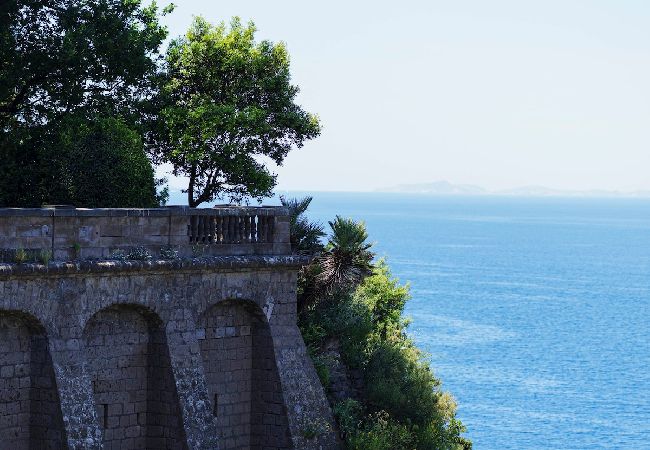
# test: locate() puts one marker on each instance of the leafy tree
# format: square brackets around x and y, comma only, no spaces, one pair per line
[103,165]
[61,61]
[227,102]
[57,56]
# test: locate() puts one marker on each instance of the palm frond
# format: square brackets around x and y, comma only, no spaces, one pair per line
[305,235]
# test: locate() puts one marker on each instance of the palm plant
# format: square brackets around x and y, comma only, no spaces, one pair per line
[347,259]
[305,235]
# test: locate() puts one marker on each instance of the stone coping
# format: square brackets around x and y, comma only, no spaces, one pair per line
[192,264]
[172,211]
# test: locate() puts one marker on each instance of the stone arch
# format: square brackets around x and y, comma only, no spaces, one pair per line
[133,384]
[242,376]
[30,410]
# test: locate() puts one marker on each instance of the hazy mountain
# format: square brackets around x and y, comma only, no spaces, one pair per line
[446,188]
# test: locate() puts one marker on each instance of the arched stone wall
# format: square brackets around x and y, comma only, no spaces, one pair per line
[242,378]
[30,411]
[86,308]
[133,385]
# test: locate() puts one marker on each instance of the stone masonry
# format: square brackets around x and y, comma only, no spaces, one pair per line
[196,352]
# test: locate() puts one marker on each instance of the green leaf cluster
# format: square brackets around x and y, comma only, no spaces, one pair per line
[349,302]
[226,107]
[59,56]
[73,77]
[404,406]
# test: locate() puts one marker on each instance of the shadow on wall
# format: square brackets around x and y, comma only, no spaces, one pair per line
[242,377]
[30,410]
[135,393]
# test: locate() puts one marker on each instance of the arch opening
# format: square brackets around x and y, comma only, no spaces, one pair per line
[133,384]
[30,409]
[242,377]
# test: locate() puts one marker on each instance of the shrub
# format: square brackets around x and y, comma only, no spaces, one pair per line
[20,257]
[45,256]
[349,416]
[100,163]
[139,254]
[381,432]
[403,407]
[168,253]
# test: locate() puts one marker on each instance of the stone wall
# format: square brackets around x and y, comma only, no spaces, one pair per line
[30,416]
[133,385]
[80,234]
[139,351]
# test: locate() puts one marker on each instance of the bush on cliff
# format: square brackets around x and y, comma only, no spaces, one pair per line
[401,404]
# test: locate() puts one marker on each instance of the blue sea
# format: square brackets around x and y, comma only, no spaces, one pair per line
[535,312]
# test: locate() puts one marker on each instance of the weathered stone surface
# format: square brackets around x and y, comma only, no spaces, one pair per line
[140,350]
[79,233]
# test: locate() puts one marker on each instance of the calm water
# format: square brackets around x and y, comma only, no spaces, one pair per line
[536,312]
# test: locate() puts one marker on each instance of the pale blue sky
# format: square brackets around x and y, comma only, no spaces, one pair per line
[499,93]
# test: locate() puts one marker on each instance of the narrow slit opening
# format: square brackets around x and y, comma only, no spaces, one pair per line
[105,415]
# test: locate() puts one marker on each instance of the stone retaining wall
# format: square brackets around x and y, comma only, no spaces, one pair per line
[134,354]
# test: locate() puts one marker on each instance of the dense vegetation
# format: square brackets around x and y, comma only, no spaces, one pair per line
[75,69]
[351,308]
[211,105]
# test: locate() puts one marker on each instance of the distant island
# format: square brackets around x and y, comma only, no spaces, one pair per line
[447,188]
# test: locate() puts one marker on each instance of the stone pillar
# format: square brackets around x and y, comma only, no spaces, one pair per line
[310,419]
[76,394]
[187,366]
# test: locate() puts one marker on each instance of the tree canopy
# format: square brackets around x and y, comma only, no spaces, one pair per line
[226,105]
[71,63]
[102,164]
[57,56]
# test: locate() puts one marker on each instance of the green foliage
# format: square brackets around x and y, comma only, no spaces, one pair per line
[349,416]
[58,56]
[101,164]
[347,259]
[45,256]
[380,432]
[227,101]
[322,370]
[20,257]
[305,235]
[403,406]
[76,250]
[66,66]
[314,428]
[386,299]
[344,263]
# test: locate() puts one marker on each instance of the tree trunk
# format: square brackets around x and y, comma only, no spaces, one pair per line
[190,188]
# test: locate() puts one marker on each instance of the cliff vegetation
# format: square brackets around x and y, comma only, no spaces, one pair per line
[381,387]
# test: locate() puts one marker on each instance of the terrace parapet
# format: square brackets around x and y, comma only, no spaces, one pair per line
[67,234]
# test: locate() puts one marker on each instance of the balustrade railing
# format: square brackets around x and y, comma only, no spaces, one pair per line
[231,229]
